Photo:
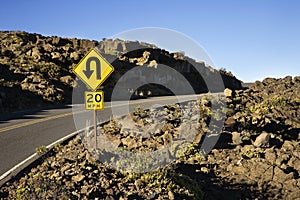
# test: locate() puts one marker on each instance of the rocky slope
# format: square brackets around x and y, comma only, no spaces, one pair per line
[36,70]
[256,157]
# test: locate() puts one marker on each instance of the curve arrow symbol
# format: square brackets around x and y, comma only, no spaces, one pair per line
[88,72]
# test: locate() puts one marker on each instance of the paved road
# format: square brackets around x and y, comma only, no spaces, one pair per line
[21,133]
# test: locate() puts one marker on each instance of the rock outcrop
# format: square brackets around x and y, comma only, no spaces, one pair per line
[36,70]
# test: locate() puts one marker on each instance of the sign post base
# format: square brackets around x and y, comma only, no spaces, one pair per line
[95,128]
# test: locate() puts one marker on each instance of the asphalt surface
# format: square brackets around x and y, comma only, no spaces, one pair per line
[22,132]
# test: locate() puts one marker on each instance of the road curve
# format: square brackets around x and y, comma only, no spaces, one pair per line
[21,133]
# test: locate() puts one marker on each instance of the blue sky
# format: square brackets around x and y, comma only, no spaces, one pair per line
[254,39]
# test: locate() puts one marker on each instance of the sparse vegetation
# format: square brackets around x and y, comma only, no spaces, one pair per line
[57,147]
[297,100]
[251,154]
[141,112]
[264,107]
[41,150]
[178,184]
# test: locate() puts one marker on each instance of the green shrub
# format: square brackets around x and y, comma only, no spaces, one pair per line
[251,154]
[141,112]
[57,147]
[41,150]
[268,104]
[297,100]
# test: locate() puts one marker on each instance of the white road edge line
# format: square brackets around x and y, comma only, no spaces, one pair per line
[25,163]
[22,165]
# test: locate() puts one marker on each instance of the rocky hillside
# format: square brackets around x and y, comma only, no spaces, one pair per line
[36,70]
[257,155]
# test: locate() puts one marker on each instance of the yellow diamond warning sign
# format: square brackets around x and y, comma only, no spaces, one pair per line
[94,100]
[93,69]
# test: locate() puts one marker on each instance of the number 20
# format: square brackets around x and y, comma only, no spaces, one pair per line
[97,97]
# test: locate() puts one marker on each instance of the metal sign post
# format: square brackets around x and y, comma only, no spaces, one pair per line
[95,128]
[94,100]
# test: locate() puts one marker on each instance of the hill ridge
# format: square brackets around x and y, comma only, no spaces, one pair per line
[37,69]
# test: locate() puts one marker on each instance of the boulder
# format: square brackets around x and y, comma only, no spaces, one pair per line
[36,79]
[78,178]
[230,121]
[270,156]
[153,63]
[67,79]
[74,55]
[262,140]
[236,138]
[55,55]
[280,176]
[288,146]
[228,92]
[48,47]
[295,163]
